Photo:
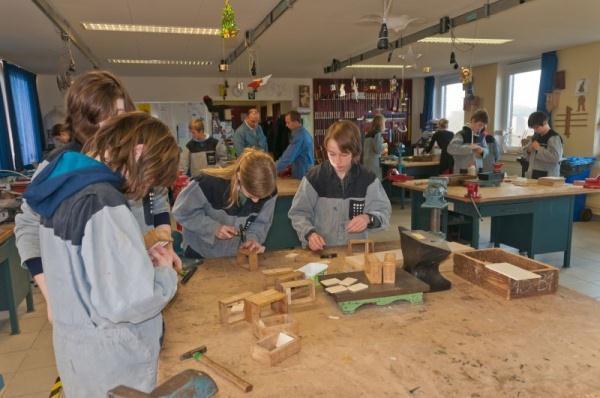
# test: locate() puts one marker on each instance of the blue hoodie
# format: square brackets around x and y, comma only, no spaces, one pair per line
[66,175]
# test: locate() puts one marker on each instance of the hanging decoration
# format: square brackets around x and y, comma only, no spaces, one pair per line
[393,84]
[229,28]
[223,89]
[466,76]
[354,87]
[342,93]
[257,83]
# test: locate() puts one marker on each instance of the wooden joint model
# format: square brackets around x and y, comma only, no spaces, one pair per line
[389,268]
[274,324]
[255,304]
[369,245]
[247,259]
[373,269]
[231,309]
[292,276]
[299,292]
[270,275]
[269,351]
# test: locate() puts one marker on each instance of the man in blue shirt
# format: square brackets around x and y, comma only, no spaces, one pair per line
[250,134]
[300,152]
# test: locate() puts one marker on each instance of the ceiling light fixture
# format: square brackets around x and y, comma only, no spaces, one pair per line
[159,62]
[372,66]
[179,30]
[463,40]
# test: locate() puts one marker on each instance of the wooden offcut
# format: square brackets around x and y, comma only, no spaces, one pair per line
[247,259]
[255,304]
[270,275]
[373,269]
[551,181]
[231,309]
[471,266]
[299,292]
[266,352]
[389,268]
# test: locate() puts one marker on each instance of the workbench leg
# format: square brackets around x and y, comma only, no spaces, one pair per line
[475,232]
[29,300]
[12,313]
[402,193]
[567,255]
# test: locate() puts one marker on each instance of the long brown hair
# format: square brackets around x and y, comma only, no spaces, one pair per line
[90,100]
[347,136]
[254,170]
[117,144]
[377,126]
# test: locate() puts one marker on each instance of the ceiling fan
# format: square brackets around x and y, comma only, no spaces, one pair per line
[396,23]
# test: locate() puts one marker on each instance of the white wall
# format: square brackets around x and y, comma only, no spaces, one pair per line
[184,89]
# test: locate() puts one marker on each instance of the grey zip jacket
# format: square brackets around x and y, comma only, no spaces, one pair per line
[462,154]
[325,204]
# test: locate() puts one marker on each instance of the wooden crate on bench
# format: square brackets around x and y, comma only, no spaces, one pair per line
[471,266]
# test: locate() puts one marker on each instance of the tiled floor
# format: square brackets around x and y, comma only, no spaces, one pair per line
[27,359]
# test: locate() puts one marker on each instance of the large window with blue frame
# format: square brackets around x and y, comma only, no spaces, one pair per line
[24,122]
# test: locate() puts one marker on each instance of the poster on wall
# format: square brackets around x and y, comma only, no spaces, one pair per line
[581,88]
[304,96]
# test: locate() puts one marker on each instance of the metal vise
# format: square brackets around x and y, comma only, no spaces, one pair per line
[187,384]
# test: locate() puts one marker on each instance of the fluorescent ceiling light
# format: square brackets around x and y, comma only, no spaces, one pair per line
[463,40]
[384,66]
[160,62]
[180,30]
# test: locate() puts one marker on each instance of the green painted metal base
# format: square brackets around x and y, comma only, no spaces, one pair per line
[349,307]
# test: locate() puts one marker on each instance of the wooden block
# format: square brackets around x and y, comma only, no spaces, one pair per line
[358,287]
[299,292]
[512,271]
[247,259]
[292,276]
[228,308]
[348,281]
[336,289]
[551,181]
[373,269]
[157,237]
[267,351]
[369,245]
[255,304]
[269,275]
[389,268]
[274,324]
[330,282]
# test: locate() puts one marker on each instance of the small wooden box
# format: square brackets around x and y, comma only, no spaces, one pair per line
[265,351]
[292,276]
[226,308]
[255,304]
[471,266]
[274,324]
[247,259]
[270,275]
[299,292]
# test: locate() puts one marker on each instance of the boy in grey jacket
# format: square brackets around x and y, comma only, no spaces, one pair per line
[545,150]
[468,146]
[339,199]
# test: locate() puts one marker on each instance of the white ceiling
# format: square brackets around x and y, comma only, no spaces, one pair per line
[299,44]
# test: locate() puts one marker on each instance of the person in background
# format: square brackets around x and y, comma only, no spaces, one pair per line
[249,134]
[468,146]
[105,289]
[442,138]
[373,146]
[339,199]
[545,150]
[201,151]
[300,152]
[221,204]
[60,135]
[93,98]
[493,155]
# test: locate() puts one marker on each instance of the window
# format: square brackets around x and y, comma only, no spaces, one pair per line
[451,107]
[523,90]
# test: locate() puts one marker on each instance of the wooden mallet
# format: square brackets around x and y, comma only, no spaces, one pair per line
[199,354]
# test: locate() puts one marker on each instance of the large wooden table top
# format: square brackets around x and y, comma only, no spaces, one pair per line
[6,231]
[506,191]
[287,186]
[464,342]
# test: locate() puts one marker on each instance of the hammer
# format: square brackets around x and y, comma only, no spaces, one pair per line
[199,354]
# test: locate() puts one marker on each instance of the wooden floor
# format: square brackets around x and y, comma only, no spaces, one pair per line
[465,342]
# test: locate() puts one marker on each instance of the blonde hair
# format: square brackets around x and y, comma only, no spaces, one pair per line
[254,170]
[347,136]
[196,124]
[116,145]
[442,123]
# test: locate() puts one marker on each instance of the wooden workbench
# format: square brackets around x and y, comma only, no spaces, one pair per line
[282,235]
[14,280]
[465,342]
[533,218]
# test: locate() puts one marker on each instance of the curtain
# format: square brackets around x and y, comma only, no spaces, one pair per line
[427,113]
[25,115]
[6,162]
[549,66]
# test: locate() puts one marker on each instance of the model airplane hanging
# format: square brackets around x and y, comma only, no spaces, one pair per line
[257,83]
